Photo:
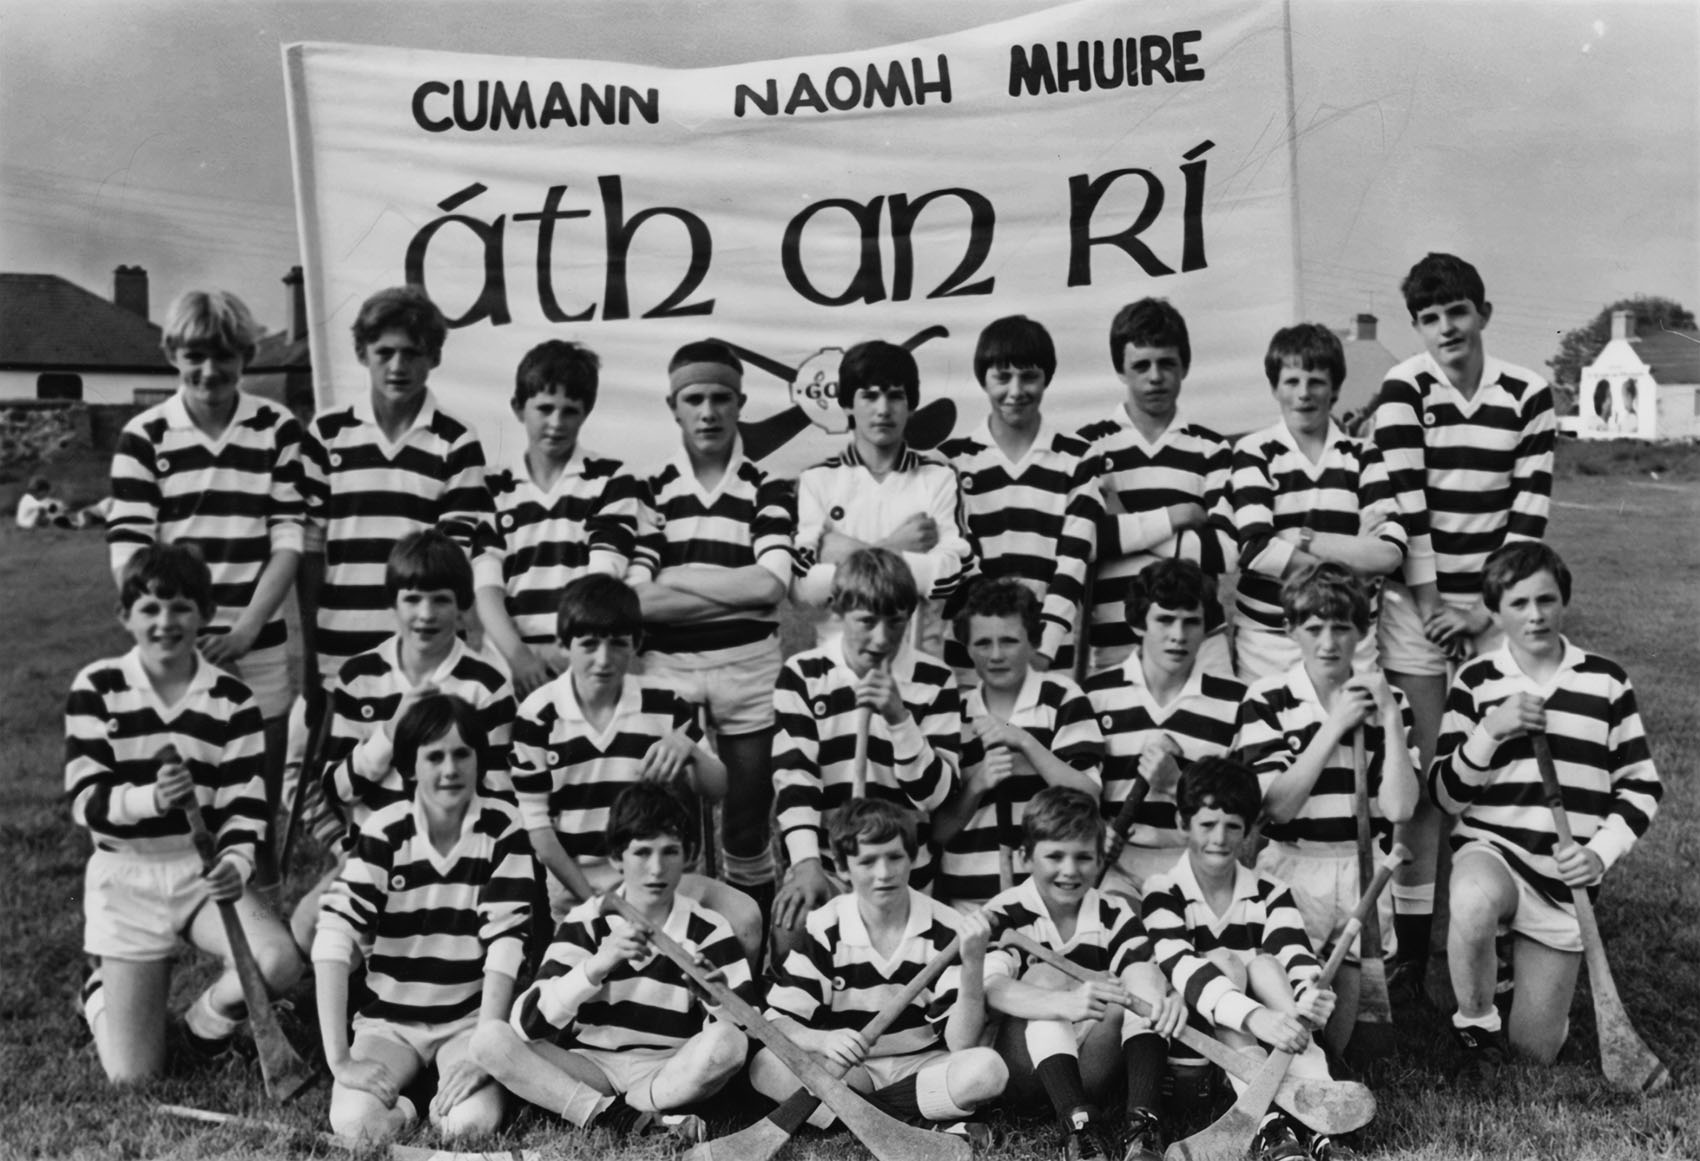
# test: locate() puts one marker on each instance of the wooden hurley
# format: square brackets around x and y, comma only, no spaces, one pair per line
[1122,825]
[1628,1064]
[1372,1033]
[311,773]
[1005,823]
[1227,1138]
[859,763]
[710,835]
[887,1138]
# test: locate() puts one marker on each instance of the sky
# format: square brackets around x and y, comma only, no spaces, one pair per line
[1555,144]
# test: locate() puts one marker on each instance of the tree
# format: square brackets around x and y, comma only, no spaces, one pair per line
[1578,347]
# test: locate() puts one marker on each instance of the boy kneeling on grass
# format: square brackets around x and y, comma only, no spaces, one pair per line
[435,898]
[1065,1036]
[1508,872]
[611,1034]
[145,735]
[1232,942]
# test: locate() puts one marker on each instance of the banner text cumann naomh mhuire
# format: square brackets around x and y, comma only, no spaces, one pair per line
[1057,165]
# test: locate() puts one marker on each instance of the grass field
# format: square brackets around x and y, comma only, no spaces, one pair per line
[1632,540]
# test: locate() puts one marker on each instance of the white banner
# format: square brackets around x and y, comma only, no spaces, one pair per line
[1058,165]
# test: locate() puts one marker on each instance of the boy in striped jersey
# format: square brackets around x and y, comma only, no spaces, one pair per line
[914,728]
[220,469]
[1067,1038]
[858,951]
[1303,492]
[1023,730]
[146,733]
[561,512]
[611,1034]
[713,562]
[878,493]
[1232,942]
[1467,440]
[1029,502]
[376,470]
[1164,483]
[1295,732]
[1508,871]
[435,900]
[1159,711]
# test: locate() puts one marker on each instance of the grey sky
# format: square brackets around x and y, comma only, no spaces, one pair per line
[1556,145]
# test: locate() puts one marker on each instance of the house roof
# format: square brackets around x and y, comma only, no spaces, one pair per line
[1367,364]
[47,324]
[1673,356]
[278,353]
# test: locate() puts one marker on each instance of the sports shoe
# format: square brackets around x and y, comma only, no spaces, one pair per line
[1484,1056]
[1326,1148]
[1276,1141]
[1083,1136]
[978,1134]
[624,1120]
[1144,1136]
[1405,985]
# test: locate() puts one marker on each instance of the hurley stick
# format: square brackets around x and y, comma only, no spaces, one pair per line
[765,1138]
[710,838]
[1628,1064]
[859,763]
[1227,1138]
[887,1138]
[312,770]
[1006,855]
[1122,825]
[1372,1033]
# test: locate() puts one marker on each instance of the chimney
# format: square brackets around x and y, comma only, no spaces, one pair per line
[297,305]
[1363,328]
[130,290]
[1622,324]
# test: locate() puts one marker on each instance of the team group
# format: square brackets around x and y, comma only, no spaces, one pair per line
[928,777]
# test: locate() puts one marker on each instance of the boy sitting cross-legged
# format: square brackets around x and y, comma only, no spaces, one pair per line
[611,1034]
[1232,942]
[857,952]
[1508,870]
[1065,1036]
[914,728]
[1023,730]
[587,735]
[146,733]
[435,899]
[1296,732]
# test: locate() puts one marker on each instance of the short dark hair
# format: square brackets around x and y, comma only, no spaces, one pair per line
[168,570]
[871,820]
[430,718]
[556,364]
[598,605]
[1327,590]
[407,308]
[426,561]
[1511,564]
[648,810]
[875,579]
[1312,346]
[1174,584]
[1014,341]
[1439,279]
[1000,597]
[877,363]
[1150,322]
[1223,783]
[1059,814]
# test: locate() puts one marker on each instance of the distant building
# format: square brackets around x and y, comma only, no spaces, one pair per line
[62,343]
[1641,386]
[282,369]
[1367,364]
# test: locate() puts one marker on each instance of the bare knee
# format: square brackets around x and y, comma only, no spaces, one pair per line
[355,1114]
[1476,906]
[1230,966]
[724,1049]
[479,1115]
[976,1075]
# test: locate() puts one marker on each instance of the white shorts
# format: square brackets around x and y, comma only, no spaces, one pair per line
[1325,887]
[1214,656]
[627,1068]
[884,1070]
[137,906]
[1403,645]
[1536,917]
[735,684]
[1259,652]
[266,674]
[424,1040]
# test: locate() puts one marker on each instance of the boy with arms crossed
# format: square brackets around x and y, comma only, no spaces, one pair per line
[860,949]
[611,1035]
[146,733]
[1467,440]
[713,562]
[1023,730]
[1160,711]
[561,512]
[1296,733]
[461,859]
[1508,871]
[1030,505]
[1165,483]
[1304,492]
[1067,1037]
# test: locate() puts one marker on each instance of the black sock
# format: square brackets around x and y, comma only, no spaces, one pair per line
[1060,1074]
[899,1098]
[1413,932]
[1147,1058]
[618,1117]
